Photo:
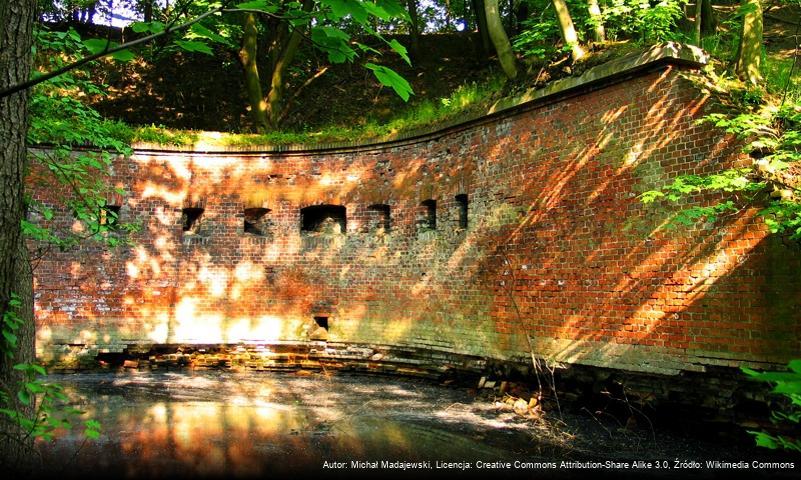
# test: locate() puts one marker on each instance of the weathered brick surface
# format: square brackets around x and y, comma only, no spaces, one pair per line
[558,246]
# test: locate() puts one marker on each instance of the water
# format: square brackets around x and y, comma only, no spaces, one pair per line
[256,424]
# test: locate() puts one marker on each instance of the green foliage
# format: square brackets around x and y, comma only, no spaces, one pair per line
[773,138]
[391,79]
[639,20]
[64,123]
[643,21]
[788,385]
[37,408]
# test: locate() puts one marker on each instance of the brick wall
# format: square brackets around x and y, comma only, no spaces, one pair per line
[558,254]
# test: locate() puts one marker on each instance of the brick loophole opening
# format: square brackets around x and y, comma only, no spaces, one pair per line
[257,221]
[321,322]
[379,216]
[109,216]
[190,219]
[428,215]
[461,202]
[323,219]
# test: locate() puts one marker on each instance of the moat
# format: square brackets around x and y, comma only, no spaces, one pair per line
[210,424]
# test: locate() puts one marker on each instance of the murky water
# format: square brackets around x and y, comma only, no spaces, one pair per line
[222,423]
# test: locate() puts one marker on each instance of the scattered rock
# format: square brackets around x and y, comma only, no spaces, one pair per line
[481,382]
[521,407]
[130,364]
[489,384]
[377,357]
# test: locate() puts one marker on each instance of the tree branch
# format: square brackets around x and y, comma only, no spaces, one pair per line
[108,51]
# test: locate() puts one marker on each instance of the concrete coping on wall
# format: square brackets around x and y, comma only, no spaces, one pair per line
[611,72]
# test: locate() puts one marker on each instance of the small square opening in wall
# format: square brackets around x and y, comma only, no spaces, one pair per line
[190,219]
[323,219]
[461,202]
[427,216]
[257,221]
[109,217]
[321,322]
[379,218]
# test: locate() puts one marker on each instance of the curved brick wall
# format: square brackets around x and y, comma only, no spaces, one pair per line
[559,255]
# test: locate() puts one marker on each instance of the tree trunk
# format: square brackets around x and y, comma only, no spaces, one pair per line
[414,27]
[598,32]
[250,36]
[496,32]
[274,102]
[521,15]
[16,24]
[481,25]
[568,30]
[697,23]
[709,23]
[749,50]
[148,11]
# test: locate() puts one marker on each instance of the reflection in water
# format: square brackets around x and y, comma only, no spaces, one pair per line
[157,424]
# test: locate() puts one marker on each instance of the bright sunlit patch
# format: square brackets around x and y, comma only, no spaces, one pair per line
[216,281]
[248,272]
[152,190]
[160,330]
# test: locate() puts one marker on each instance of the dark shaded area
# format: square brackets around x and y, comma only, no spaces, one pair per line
[256,221]
[196,91]
[379,217]
[253,425]
[323,219]
[427,219]
[190,219]
[461,201]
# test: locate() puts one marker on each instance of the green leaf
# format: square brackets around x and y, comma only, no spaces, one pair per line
[764,440]
[376,10]
[258,5]
[10,338]
[34,387]
[151,27]
[97,45]
[400,50]
[24,397]
[204,32]
[393,8]
[390,78]
[123,55]
[194,46]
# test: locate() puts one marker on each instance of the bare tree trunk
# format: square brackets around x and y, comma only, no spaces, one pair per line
[247,55]
[521,15]
[568,30]
[274,103]
[709,23]
[148,11]
[414,27]
[16,24]
[697,23]
[749,50]
[481,25]
[599,34]
[498,35]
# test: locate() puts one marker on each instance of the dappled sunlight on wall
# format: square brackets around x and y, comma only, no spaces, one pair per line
[555,251]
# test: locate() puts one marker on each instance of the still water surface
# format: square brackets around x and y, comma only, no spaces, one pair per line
[255,424]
